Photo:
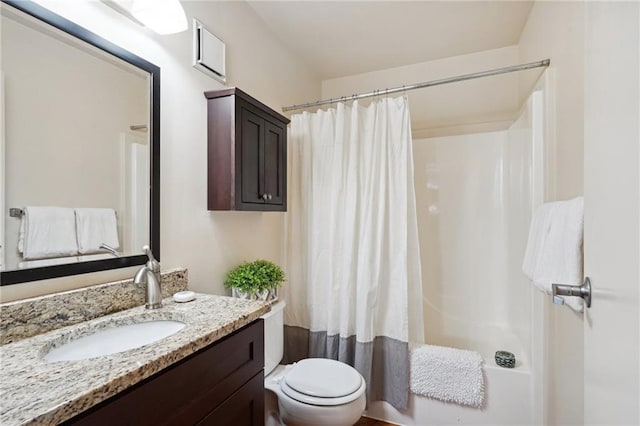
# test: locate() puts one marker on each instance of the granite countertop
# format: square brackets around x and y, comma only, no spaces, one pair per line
[35,391]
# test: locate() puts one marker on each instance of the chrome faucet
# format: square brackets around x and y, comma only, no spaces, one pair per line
[150,276]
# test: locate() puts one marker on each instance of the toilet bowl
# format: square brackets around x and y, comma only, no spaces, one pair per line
[311,392]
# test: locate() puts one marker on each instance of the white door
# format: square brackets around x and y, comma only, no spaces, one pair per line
[612,213]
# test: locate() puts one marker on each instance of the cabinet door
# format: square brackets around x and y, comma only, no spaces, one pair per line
[244,408]
[251,157]
[274,163]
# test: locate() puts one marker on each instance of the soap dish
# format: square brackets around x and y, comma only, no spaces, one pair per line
[184,296]
[505,359]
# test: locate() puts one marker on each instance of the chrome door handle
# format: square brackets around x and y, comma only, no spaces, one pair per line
[269,196]
[265,196]
[583,291]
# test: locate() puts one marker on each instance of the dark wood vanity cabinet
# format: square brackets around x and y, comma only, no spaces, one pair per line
[222,384]
[247,153]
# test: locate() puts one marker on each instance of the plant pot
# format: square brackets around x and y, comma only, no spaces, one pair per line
[273,295]
[264,295]
[241,294]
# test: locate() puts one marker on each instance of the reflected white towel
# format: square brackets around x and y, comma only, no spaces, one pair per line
[48,232]
[554,247]
[95,227]
[447,374]
[21,235]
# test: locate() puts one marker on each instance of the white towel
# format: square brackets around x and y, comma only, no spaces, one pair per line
[554,247]
[96,227]
[447,374]
[48,232]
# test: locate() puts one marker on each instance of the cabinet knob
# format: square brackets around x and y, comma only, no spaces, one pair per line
[265,196]
[269,196]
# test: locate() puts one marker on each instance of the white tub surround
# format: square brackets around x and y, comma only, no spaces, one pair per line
[35,391]
[353,259]
[507,403]
[475,197]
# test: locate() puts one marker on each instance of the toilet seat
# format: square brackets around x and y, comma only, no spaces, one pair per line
[323,382]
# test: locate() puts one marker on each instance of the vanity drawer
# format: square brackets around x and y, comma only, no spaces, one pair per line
[188,391]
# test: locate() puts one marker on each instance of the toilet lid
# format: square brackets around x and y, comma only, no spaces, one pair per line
[324,378]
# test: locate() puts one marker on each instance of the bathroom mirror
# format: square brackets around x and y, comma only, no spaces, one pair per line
[79,130]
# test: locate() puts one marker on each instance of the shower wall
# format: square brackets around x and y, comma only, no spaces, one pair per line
[475,197]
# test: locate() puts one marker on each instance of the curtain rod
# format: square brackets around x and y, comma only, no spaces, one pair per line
[538,64]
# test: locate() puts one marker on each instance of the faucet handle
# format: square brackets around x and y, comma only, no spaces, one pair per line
[152,264]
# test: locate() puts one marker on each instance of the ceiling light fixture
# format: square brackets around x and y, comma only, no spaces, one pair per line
[161,16]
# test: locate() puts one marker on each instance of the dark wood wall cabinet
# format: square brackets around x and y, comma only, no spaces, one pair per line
[247,153]
[222,384]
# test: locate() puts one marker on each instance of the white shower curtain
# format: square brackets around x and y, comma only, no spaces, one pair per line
[354,287]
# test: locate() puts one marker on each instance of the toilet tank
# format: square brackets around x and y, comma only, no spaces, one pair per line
[273,336]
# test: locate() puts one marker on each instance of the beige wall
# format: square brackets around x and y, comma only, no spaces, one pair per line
[472,106]
[207,243]
[556,30]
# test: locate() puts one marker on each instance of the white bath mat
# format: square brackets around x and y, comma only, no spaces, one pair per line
[447,374]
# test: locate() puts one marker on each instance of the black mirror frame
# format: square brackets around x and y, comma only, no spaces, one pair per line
[57,271]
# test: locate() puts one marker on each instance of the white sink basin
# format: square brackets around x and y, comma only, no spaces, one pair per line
[114,339]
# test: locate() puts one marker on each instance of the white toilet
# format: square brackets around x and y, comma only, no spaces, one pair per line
[311,392]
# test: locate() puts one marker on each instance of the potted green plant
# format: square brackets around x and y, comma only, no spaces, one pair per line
[255,280]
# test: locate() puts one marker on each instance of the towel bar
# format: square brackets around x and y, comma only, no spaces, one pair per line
[583,291]
[15,212]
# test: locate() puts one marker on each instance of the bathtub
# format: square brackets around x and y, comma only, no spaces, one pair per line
[507,402]
[475,194]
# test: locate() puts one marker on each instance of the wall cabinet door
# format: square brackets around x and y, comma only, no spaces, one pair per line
[263,160]
[275,163]
[251,157]
[247,153]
